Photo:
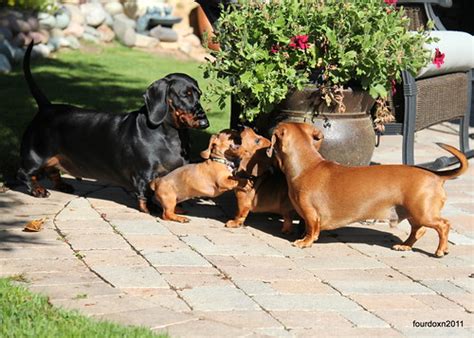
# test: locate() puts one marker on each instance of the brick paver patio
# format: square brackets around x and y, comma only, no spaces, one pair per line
[98,254]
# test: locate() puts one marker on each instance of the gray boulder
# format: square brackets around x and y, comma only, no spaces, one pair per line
[91,34]
[5,33]
[124,29]
[18,55]
[73,42]
[33,22]
[164,34]
[7,50]
[5,66]
[41,51]
[94,14]
[46,21]
[63,18]
[19,25]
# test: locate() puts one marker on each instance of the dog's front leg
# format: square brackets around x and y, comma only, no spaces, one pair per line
[244,204]
[141,187]
[313,227]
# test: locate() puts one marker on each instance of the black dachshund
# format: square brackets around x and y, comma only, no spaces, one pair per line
[125,149]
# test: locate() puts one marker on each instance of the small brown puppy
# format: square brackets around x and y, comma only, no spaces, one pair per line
[207,179]
[328,195]
[266,190]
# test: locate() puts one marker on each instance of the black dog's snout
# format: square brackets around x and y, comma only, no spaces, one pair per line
[203,122]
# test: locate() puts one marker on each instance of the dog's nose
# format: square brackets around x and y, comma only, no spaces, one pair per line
[203,123]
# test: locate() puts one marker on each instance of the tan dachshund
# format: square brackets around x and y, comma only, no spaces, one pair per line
[266,190]
[207,179]
[328,195]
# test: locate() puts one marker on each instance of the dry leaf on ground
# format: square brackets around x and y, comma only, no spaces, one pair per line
[35,225]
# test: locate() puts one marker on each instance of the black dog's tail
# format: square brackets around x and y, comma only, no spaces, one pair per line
[40,98]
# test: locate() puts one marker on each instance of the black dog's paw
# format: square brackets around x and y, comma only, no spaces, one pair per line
[39,192]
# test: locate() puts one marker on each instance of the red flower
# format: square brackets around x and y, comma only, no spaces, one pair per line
[275,49]
[438,58]
[299,42]
[394,86]
[390,2]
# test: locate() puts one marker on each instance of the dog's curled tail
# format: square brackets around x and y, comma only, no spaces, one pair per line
[40,98]
[449,174]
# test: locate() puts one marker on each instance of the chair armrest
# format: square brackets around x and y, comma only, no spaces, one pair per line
[442,3]
[430,14]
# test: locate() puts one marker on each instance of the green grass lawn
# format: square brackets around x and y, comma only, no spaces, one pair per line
[110,78]
[24,314]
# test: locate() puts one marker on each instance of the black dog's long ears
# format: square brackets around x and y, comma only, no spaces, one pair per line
[155,101]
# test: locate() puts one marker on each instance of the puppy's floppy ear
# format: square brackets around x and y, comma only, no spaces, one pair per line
[155,101]
[205,154]
[318,137]
[270,149]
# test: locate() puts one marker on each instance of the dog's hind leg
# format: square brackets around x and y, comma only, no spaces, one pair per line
[417,231]
[58,184]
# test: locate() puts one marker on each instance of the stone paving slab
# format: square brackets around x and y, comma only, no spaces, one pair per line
[98,254]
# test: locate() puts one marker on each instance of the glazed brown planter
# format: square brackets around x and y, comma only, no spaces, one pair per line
[349,137]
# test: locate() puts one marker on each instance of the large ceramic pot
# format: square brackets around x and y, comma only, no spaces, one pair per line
[349,137]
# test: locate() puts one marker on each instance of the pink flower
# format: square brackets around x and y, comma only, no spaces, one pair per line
[390,2]
[299,42]
[438,58]
[275,49]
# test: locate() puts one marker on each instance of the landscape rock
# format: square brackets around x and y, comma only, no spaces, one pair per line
[33,22]
[73,42]
[20,40]
[56,33]
[91,34]
[145,41]
[19,25]
[6,33]
[109,20]
[164,34]
[185,47]
[18,54]
[40,50]
[113,8]
[53,44]
[5,66]
[7,50]
[94,14]
[74,29]
[124,29]
[193,40]
[75,14]
[62,18]
[38,37]
[106,33]
[46,21]
[126,20]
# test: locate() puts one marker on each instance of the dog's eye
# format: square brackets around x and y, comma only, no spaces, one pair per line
[257,141]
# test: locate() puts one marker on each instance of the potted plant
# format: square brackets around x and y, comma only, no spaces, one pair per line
[288,56]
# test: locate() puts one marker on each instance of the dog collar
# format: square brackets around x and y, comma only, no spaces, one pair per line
[229,164]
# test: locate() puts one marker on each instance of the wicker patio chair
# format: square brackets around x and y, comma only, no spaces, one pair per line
[423,102]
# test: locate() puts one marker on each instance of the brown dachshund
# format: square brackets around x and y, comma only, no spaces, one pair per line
[328,195]
[207,179]
[266,190]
